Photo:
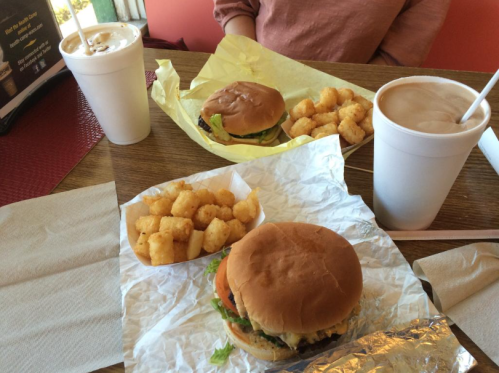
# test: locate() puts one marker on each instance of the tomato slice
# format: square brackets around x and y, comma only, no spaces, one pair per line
[222,286]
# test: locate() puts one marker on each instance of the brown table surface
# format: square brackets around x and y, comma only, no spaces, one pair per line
[168,153]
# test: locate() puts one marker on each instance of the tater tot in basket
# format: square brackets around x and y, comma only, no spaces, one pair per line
[253,202]
[179,251]
[180,228]
[225,197]
[350,131]
[329,97]
[366,104]
[215,235]
[237,231]
[344,94]
[149,200]
[302,126]
[148,224]
[142,246]
[204,215]
[185,205]
[327,129]
[195,245]
[304,108]
[325,118]
[173,189]
[205,197]
[224,213]
[242,211]
[321,135]
[367,123]
[161,248]
[355,111]
[161,207]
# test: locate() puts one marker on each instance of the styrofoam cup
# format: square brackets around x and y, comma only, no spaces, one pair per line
[114,85]
[414,171]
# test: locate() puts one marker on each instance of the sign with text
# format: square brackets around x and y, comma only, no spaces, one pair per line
[29,49]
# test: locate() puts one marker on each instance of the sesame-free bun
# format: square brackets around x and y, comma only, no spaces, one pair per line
[294,277]
[245,107]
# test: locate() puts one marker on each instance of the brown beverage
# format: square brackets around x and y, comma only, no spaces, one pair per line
[430,107]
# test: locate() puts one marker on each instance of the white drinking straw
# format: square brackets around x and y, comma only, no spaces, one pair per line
[80,31]
[480,98]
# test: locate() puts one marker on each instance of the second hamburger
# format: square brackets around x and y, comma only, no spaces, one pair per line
[243,113]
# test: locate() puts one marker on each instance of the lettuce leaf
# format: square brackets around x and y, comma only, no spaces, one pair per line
[228,314]
[212,267]
[221,355]
[218,128]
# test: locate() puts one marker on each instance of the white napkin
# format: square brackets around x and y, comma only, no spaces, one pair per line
[465,284]
[489,145]
[59,282]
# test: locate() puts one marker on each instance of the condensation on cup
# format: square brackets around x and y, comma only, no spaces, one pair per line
[112,78]
[415,167]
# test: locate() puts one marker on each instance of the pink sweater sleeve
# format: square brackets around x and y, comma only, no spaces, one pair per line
[411,35]
[225,10]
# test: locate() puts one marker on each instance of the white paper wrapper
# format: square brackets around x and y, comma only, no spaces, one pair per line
[230,180]
[168,322]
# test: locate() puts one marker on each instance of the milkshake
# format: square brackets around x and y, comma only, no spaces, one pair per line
[7,80]
[112,78]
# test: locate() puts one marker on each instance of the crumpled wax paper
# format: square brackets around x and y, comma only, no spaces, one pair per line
[168,322]
[238,58]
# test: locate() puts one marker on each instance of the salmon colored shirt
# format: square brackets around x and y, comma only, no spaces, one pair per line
[400,31]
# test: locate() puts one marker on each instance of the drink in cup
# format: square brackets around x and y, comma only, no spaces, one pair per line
[6,79]
[419,148]
[112,78]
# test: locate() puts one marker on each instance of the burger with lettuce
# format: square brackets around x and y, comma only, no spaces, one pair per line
[243,113]
[286,288]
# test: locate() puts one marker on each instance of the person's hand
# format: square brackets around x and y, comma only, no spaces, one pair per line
[241,25]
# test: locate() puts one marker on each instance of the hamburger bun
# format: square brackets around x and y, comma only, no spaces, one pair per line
[246,108]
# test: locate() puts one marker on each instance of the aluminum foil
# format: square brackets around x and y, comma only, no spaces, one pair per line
[168,322]
[426,345]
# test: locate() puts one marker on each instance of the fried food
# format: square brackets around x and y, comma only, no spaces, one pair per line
[180,228]
[224,213]
[304,108]
[205,197]
[237,231]
[302,126]
[215,235]
[225,197]
[367,123]
[350,131]
[179,251]
[142,246]
[325,118]
[149,200]
[148,224]
[328,98]
[161,207]
[185,205]
[355,111]
[161,248]
[325,130]
[204,215]
[195,245]
[345,94]
[366,104]
[173,189]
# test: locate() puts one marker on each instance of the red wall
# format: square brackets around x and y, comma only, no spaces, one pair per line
[468,41]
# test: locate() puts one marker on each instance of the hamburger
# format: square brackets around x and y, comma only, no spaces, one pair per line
[243,113]
[286,288]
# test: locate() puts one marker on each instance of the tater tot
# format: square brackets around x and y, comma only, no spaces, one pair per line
[179,251]
[180,228]
[205,197]
[321,135]
[149,200]
[329,97]
[161,248]
[320,108]
[367,123]
[355,111]
[366,104]
[204,215]
[237,231]
[325,118]
[162,207]
[215,235]
[344,94]
[224,213]
[185,205]
[225,197]
[327,129]
[304,108]
[148,224]
[302,126]
[173,189]
[195,244]
[253,203]
[241,211]
[142,246]
[350,131]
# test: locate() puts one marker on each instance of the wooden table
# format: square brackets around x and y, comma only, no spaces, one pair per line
[168,153]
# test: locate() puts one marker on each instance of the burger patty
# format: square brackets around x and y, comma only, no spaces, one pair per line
[203,124]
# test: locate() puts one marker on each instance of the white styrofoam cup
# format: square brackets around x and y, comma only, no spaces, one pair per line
[114,85]
[414,171]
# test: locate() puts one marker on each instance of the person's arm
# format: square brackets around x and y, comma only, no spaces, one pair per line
[241,25]
[237,16]
[412,33]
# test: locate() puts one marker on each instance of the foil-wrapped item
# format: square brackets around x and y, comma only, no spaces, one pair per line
[425,345]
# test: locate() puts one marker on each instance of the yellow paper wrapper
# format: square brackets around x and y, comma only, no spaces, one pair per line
[238,58]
